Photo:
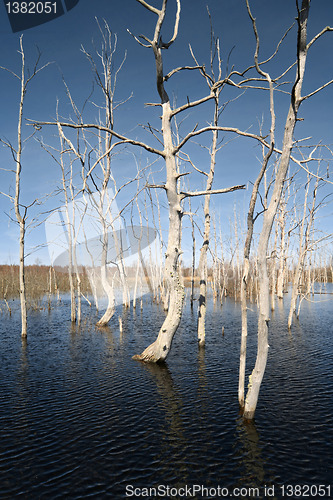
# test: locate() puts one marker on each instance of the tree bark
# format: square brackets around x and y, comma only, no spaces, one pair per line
[104,320]
[303,250]
[263,316]
[159,349]
[202,270]
[282,257]
[21,219]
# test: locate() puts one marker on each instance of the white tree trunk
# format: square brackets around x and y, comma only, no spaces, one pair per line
[22,281]
[282,256]
[303,250]
[263,316]
[159,349]
[21,219]
[108,288]
[202,271]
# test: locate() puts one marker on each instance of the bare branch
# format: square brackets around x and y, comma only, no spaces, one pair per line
[176,26]
[182,174]
[147,46]
[285,72]
[278,45]
[192,104]
[181,68]
[188,159]
[125,140]
[7,170]
[7,196]
[314,39]
[149,7]
[153,104]
[155,186]
[210,191]
[316,91]
[301,164]
[11,72]
[223,129]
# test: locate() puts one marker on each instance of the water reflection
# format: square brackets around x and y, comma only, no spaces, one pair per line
[251,453]
[251,459]
[203,402]
[23,372]
[174,445]
[202,378]
[79,418]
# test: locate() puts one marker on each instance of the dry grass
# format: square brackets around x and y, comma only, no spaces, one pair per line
[40,280]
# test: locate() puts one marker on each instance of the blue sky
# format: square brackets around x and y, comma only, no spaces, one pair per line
[60,41]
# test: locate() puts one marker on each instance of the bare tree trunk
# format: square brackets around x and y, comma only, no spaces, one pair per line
[202,270]
[139,263]
[159,349]
[282,255]
[69,223]
[273,270]
[21,219]
[163,289]
[263,317]
[108,288]
[193,256]
[303,249]
[245,277]
[21,211]
[56,289]
[78,288]
[22,281]
[136,282]
[250,226]
[71,283]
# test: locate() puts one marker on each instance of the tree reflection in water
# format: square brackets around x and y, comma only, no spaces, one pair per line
[173,455]
[251,461]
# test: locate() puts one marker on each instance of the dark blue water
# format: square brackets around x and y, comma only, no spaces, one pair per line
[80,419]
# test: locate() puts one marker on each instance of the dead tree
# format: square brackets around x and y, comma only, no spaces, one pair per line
[202,268]
[169,151]
[250,216]
[21,211]
[269,214]
[284,237]
[305,244]
[159,350]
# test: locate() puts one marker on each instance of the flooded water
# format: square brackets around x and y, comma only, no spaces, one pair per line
[80,419]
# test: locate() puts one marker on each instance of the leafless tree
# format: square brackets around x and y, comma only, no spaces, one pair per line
[21,211]
[307,242]
[211,79]
[159,350]
[272,206]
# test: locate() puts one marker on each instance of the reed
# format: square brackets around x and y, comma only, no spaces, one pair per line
[39,281]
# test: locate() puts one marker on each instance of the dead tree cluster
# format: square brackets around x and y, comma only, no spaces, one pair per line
[263,259]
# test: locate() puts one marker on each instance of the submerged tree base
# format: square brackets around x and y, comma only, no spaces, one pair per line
[248,416]
[152,354]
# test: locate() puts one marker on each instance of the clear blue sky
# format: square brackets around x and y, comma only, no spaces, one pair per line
[60,41]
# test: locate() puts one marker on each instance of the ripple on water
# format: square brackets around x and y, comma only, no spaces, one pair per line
[80,419]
